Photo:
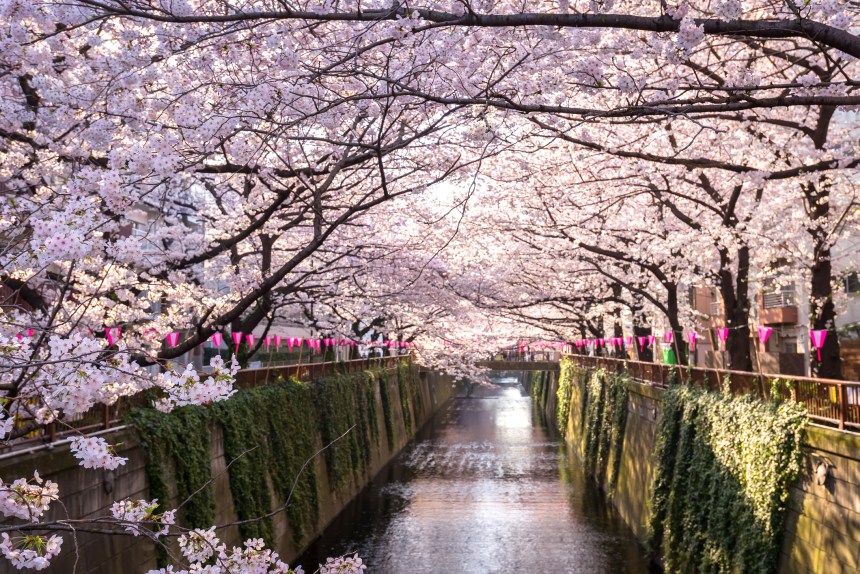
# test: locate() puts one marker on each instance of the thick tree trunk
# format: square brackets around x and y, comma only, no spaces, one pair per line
[645,352]
[617,327]
[822,312]
[822,315]
[734,290]
[672,314]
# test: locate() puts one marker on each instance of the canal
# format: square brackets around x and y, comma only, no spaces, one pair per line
[484,487]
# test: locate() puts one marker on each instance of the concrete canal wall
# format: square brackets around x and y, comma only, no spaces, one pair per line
[822,523]
[398,403]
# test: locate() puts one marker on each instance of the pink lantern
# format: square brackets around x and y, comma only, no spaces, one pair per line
[266,341]
[642,343]
[669,337]
[290,342]
[299,341]
[723,334]
[817,338]
[31,331]
[112,335]
[691,338]
[237,339]
[217,339]
[764,333]
[172,339]
[250,337]
[651,339]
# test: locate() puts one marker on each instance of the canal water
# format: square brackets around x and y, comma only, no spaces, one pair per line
[485,487]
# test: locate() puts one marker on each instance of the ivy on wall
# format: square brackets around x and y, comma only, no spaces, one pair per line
[541,381]
[350,402]
[269,434]
[570,376]
[604,418]
[177,448]
[724,465]
[387,410]
[410,393]
[404,390]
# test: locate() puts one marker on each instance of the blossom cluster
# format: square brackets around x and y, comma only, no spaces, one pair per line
[27,500]
[95,452]
[343,565]
[135,512]
[199,546]
[32,551]
[187,388]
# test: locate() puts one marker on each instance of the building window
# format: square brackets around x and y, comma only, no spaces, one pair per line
[852,283]
[784,297]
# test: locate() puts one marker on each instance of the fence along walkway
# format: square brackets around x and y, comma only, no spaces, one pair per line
[103,417]
[830,402]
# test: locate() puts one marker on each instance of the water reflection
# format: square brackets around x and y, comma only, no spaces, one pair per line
[482,489]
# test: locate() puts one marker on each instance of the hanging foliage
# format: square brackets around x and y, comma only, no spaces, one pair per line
[410,394]
[269,434]
[605,418]
[569,377]
[724,465]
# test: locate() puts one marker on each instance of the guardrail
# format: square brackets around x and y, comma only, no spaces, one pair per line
[827,401]
[103,417]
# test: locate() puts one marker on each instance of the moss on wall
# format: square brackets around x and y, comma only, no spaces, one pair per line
[269,435]
[604,417]
[541,382]
[410,393]
[724,465]
[350,404]
[569,376]
[177,449]
[387,410]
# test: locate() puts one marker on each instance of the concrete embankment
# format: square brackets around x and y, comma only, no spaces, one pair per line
[236,454]
[821,527]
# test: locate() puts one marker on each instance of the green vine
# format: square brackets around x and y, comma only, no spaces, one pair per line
[347,399]
[540,385]
[406,388]
[176,447]
[269,434]
[387,409]
[724,467]
[605,418]
[569,377]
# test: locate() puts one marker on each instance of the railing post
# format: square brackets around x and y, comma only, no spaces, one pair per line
[843,400]
[105,417]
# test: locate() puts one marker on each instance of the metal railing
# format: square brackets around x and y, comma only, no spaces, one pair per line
[305,372]
[104,417]
[827,401]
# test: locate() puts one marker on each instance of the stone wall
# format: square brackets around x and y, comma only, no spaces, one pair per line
[822,529]
[89,493]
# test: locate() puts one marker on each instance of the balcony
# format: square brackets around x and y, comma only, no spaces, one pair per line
[778,308]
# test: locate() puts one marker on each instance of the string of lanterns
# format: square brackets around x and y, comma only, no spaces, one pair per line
[113,336]
[816,337]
